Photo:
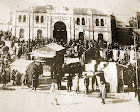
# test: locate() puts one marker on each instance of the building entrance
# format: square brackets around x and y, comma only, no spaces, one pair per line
[81,36]
[60,33]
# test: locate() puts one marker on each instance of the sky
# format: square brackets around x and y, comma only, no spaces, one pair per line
[123,8]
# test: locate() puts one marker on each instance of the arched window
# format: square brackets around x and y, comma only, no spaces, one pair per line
[97,22]
[102,22]
[37,19]
[19,18]
[78,21]
[39,34]
[83,21]
[24,18]
[42,19]
[21,33]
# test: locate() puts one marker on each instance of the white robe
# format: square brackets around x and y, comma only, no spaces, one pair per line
[132,55]
[115,55]
[76,82]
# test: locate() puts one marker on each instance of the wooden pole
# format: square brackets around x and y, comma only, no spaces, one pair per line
[136,60]
[89,28]
[15,23]
[29,32]
[74,25]
[33,27]
[70,27]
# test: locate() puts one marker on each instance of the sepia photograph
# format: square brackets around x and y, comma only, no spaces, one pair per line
[69,55]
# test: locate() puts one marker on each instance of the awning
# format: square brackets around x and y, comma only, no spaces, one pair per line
[43,55]
[55,47]
[21,65]
[49,51]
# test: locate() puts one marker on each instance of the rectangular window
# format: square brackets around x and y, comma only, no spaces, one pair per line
[97,22]
[24,18]
[42,19]
[83,21]
[102,22]
[37,19]
[78,21]
[19,18]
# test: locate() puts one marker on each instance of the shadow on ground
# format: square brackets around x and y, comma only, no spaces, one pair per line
[6,88]
[117,101]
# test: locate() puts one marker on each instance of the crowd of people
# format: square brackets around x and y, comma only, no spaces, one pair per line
[12,48]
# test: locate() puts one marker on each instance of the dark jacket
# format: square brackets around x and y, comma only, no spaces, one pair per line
[86,81]
[69,80]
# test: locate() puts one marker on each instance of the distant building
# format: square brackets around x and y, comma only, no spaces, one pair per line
[61,23]
[122,31]
[6,26]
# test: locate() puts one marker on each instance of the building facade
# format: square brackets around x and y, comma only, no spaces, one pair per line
[61,23]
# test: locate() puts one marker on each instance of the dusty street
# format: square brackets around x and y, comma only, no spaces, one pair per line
[26,100]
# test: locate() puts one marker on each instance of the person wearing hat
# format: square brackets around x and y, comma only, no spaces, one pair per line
[86,83]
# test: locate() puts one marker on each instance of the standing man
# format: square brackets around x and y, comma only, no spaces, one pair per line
[86,83]
[35,82]
[69,83]
[18,78]
[1,68]
[76,83]
[103,91]
[3,77]
[103,84]
[58,78]
[7,70]
[94,80]
[35,75]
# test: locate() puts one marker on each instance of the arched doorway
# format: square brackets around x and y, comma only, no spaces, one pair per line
[39,34]
[100,37]
[81,36]
[60,33]
[100,40]
[21,33]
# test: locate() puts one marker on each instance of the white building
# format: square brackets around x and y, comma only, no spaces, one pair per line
[61,23]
